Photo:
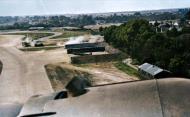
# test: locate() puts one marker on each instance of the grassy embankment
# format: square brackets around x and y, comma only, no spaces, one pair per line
[67,34]
[60,75]
[36,35]
[39,48]
[127,69]
[33,35]
[120,66]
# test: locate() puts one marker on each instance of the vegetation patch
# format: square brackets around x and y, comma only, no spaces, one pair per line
[81,65]
[67,34]
[168,50]
[39,48]
[125,68]
[61,75]
[33,35]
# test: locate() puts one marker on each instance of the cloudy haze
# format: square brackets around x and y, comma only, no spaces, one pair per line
[49,7]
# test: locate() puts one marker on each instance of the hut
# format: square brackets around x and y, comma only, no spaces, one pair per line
[149,71]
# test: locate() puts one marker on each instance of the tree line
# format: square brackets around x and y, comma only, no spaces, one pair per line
[51,21]
[137,38]
[83,20]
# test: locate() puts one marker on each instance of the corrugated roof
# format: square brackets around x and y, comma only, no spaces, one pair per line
[151,69]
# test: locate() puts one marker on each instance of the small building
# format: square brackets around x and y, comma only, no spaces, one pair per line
[85,50]
[36,28]
[26,42]
[81,45]
[149,71]
[71,28]
[164,27]
[36,43]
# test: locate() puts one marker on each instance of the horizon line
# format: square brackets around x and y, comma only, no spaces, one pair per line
[59,14]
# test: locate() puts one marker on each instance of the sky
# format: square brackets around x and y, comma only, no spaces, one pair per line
[51,7]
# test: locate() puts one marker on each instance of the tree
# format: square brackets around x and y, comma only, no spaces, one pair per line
[137,14]
[156,24]
[173,32]
[101,29]
[177,66]
[186,30]
[187,16]
[168,50]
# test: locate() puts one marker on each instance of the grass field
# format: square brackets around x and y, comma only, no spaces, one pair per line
[34,35]
[67,34]
[39,48]
[125,68]
[38,35]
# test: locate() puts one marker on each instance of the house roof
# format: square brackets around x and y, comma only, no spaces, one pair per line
[151,69]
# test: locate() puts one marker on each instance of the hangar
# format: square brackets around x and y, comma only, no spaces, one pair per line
[149,71]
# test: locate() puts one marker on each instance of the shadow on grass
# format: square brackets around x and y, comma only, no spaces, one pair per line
[127,69]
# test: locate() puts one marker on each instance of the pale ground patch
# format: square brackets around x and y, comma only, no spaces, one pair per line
[23,73]
[98,74]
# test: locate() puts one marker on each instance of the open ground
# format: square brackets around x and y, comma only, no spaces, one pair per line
[24,74]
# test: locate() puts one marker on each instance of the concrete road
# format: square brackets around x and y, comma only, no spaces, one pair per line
[23,75]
